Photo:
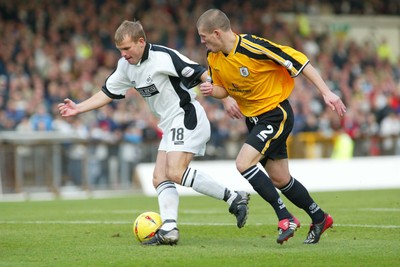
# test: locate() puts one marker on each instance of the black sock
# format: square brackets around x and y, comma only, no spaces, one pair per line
[298,195]
[264,187]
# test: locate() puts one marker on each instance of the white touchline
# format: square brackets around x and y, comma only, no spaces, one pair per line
[187,223]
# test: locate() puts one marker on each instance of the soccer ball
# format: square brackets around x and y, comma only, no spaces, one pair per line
[146,225]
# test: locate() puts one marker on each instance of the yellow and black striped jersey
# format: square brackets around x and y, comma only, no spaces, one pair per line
[257,73]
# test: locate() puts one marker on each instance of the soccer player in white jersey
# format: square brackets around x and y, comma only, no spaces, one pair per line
[164,78]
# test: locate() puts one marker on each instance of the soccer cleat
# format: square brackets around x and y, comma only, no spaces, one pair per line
[316,230]
[163,237]
[286,229]
[239,207]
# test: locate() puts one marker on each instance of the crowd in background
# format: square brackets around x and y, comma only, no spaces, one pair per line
[54,49]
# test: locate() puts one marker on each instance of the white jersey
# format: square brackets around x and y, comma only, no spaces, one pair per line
[164,78]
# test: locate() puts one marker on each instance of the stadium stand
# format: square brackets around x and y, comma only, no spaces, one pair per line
[53,49]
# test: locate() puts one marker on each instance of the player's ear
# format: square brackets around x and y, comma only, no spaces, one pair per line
[142,42]
[217,33]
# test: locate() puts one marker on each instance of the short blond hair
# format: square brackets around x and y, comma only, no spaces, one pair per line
[132,29]
[213,19]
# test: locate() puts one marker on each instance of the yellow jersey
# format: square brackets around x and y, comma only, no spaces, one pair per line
[257,73]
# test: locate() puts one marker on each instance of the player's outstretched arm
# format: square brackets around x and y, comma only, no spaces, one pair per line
[69,108]
[331,99]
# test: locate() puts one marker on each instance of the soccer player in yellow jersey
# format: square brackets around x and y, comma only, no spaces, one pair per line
[259,75]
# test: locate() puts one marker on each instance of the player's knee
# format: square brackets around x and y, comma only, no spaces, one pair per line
[174,175]
[241,165]
[279,179]
[158,179]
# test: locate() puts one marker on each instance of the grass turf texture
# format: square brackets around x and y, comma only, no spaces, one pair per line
[98,232]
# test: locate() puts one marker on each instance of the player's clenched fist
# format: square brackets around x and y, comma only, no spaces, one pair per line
[206,88]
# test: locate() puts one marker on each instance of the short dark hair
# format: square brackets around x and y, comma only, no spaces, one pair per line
[213,19]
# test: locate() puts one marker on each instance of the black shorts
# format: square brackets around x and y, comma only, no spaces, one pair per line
[268,132]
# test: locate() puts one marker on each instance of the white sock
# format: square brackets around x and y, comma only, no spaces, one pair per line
[232,197]
[168,202]
[203,183]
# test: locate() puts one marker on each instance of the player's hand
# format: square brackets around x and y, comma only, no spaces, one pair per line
[68,108]
[232,108]
[206,88]
[335,103]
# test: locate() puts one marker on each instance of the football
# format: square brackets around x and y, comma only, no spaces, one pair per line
[146,225]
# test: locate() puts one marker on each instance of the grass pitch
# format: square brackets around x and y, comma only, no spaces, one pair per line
[98,232]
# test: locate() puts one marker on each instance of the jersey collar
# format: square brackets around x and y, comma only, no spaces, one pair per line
[145,53]
[237,44]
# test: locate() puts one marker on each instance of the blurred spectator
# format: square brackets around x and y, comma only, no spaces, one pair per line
[343,146]
[311,123]
[13,114]
[41,119]
[25,125]
[51,50]
[390,132]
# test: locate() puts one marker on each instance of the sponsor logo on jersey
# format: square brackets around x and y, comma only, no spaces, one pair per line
[187,72]
[149,80]
[235,88]
[244,71]
[148,91]
[243,91]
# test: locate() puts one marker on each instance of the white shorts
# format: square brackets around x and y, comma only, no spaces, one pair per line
[178,138]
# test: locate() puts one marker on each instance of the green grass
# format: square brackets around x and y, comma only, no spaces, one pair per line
[98,232]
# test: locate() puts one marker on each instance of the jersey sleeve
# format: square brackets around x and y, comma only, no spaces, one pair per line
[294,61]
[188,71]
[117,82]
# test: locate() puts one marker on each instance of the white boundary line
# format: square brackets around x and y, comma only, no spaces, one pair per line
[215,211]
[188,223]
